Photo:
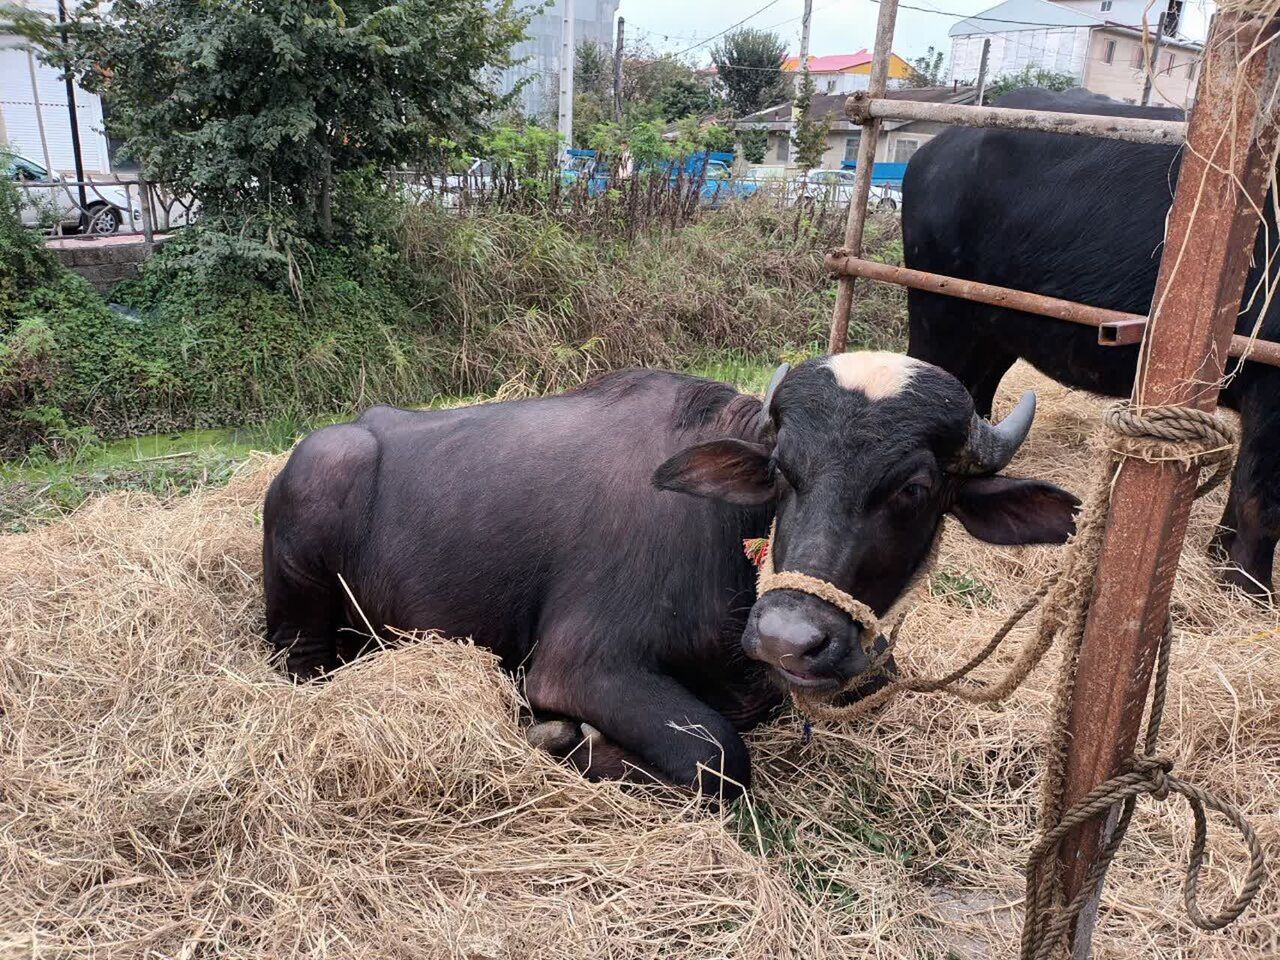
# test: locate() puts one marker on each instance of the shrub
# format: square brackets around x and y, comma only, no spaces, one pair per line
[225,330]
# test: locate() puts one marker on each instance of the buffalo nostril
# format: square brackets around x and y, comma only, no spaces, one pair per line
[820,644]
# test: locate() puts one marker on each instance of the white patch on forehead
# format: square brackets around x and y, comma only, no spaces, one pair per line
[877,373]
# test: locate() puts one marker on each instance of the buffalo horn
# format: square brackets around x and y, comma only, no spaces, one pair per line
[991,446]
[766,409]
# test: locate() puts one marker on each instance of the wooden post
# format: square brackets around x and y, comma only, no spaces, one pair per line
[1226,168]
[1154,63]
[862,178]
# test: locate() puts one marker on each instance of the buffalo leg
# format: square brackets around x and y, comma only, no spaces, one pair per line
[650,723]
[1246,539]
[306,524]
[302,620]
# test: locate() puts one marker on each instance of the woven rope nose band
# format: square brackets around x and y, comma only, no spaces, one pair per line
[872,626]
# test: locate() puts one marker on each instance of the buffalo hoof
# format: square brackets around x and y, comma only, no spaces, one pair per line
[556,737]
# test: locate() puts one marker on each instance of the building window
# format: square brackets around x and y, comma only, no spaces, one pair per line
[1106,5]
[851,145]
[1191,70]
[904,148]
[831,85]
[1109,52]
[1168,64]
[1138,59]
[784,148]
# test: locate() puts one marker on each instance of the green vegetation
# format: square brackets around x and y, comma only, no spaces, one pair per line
[926,71]
[961,588]
[313,287]
[749,68]
[1030,76]
[810,136]
[257,109]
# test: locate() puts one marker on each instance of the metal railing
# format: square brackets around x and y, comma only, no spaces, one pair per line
[102,207]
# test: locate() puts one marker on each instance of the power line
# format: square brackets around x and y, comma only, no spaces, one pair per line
[1023,23]
[731,26]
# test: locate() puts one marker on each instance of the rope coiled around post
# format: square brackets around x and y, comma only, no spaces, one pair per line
[1198,441]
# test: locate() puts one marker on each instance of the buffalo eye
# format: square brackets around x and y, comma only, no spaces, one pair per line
[784,473]
[913,492]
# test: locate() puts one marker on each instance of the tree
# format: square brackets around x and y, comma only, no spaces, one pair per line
[685,96]
[593,69]
[810,136]
[1030,76]
[253,106]
[926,71]
[589,110]
[754,144]
[749,65]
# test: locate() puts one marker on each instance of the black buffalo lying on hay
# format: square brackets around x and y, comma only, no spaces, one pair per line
[1083,219]
[595,539]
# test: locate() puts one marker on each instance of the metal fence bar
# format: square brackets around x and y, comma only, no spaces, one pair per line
[864,106]
[857,221]
[1115,327]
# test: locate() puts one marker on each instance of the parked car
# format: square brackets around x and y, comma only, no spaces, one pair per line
[47,199]
[835,187]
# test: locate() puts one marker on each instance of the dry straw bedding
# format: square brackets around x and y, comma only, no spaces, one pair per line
[165,793]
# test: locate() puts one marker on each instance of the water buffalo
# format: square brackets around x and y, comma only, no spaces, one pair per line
[1084,219]
[595,539]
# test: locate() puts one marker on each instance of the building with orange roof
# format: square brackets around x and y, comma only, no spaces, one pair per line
[847,72]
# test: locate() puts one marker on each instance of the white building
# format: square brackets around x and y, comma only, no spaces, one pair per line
[1099,42]
[540,50]
[33,96]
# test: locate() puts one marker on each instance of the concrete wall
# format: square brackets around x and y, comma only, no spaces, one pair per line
[1062,50]
[104,263]
[1122,77]
[887,149]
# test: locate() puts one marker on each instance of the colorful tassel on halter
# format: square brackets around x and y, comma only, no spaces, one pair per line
[756,549]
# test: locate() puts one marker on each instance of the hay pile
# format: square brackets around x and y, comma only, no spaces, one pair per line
[163,792]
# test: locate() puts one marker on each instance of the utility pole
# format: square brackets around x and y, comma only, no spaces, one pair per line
[1153,64]
[982,71]
[804,62]
[804,34]
[75,121]
[568,50]
[617,75]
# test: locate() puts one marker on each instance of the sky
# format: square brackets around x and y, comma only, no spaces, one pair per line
[838,26]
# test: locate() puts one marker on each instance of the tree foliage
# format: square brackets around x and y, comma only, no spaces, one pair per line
[926,71]
[593,70]
[749,66]
[685,96]
[1030,76]
[810,135]
[253,106]
[754,143]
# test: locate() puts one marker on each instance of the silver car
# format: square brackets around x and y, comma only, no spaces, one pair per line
[49,201]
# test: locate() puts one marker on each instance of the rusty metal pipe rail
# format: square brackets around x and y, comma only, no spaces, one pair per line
[1115,327]
[861,108]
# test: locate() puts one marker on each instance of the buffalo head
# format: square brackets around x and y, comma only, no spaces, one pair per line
[861,455]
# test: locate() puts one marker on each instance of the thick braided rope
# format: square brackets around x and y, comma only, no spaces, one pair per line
[1196,440]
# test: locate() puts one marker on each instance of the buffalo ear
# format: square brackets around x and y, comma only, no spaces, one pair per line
[1013,512]
[731,470]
